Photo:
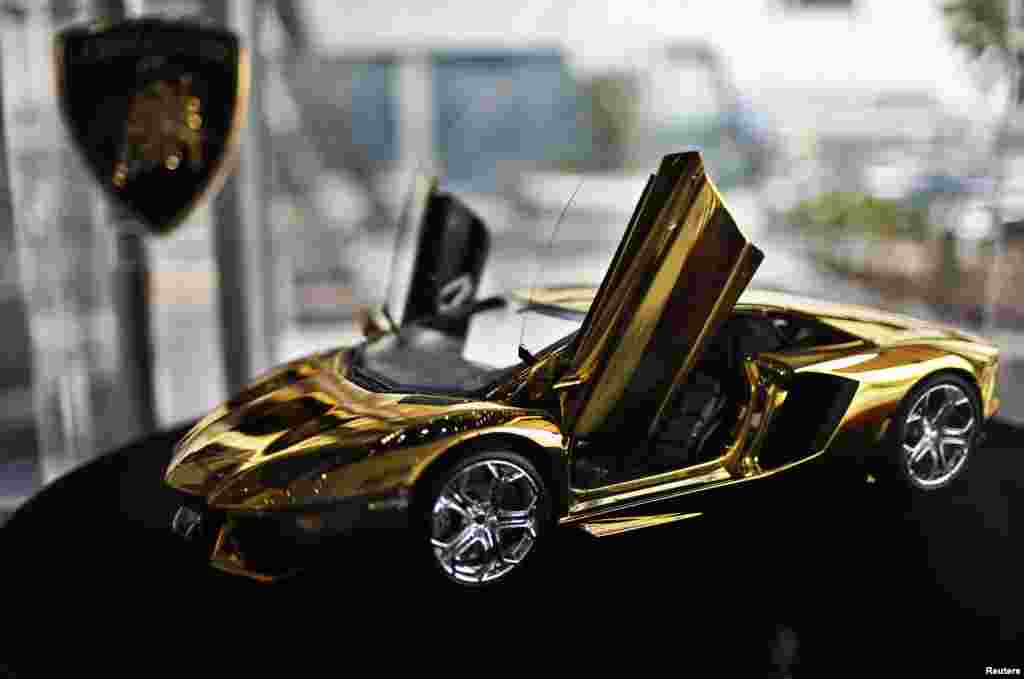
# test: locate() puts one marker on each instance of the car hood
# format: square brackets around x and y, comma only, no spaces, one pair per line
[299,423]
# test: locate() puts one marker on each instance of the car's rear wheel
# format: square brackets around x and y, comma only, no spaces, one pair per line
[935,431]
[482,519]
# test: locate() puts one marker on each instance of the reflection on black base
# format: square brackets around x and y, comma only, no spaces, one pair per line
[850,575]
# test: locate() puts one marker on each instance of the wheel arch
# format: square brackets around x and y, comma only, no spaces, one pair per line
[550,466]
[962,373]
[886,429]
[888,462]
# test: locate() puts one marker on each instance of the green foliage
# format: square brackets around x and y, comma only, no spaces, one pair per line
[856,214]
[978,24]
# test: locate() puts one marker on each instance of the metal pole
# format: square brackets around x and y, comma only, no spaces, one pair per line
[17,422]
[416,111]
[133,305]
[242,236]
[132,301]
[53,217]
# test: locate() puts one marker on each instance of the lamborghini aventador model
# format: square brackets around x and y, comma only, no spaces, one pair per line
[666,383]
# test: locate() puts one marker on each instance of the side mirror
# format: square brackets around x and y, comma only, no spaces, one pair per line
[375,322]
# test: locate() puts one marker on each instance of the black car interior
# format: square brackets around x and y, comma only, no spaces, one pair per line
[708,405]
[421,359]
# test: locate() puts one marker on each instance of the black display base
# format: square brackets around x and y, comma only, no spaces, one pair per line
[840,572]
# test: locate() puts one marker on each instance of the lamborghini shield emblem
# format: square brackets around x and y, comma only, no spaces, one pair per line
[679,270]
[155,107]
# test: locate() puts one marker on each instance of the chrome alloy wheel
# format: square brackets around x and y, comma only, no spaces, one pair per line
[938,434]
[484,522]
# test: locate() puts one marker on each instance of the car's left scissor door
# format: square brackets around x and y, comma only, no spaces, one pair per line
[676,276]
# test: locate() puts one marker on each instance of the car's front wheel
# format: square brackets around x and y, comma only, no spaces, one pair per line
[482,519]
[935,431]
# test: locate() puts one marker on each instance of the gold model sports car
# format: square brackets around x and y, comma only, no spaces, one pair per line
[668,382]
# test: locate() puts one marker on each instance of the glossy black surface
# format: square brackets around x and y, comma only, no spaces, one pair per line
[860,575]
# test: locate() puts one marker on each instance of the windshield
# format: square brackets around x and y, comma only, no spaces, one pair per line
[423,358]
[579,228]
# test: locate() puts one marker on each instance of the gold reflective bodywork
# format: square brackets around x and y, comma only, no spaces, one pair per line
[356,442]
[339,441]
[602,528]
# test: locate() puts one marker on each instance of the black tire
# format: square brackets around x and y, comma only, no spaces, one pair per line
[426,525]
[906,431]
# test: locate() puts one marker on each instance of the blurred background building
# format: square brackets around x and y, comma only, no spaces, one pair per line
[871,148]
